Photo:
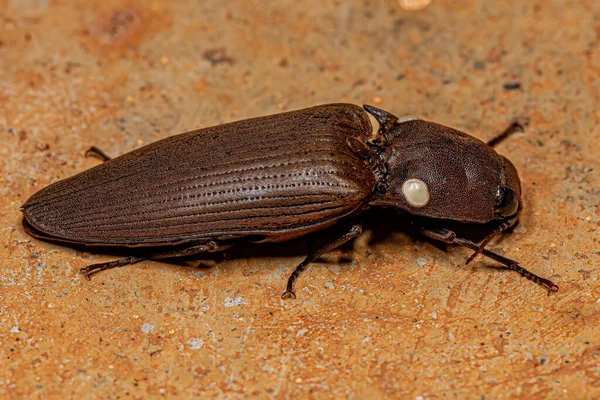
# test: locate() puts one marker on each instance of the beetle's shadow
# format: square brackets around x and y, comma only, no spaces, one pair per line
[241,250]
[384,222]
[380,222]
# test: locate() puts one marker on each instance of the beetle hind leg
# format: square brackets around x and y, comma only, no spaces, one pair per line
[95,268]
[353,231]
[210,246]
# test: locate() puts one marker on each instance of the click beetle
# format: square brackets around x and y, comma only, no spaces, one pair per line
[280,177]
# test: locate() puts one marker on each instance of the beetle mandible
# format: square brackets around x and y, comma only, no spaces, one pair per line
[280,177]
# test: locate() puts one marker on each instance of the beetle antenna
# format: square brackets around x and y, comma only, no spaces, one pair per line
[447,236]
[516,126]
[510,264]
[496,232]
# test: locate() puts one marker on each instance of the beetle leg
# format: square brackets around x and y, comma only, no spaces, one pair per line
[448,236]
[512,128]
[498,231]
[94,268]
[441,234]
[209,247]
[352,232]
[180,252]
[96,152]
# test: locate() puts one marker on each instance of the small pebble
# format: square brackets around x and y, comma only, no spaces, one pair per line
[512,85]
[234,302]
[195,343]
[301,332]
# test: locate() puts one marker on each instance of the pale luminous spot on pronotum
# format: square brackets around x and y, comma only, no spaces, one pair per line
[416,192]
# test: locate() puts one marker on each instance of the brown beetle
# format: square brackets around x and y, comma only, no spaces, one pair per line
[280,177]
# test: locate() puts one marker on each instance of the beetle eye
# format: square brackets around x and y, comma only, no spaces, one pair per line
[507,203]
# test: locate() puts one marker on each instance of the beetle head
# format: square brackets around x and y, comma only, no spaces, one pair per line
[508,198]
[439,172]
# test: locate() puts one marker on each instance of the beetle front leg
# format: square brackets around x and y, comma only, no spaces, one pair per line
[448,236]
[353,231]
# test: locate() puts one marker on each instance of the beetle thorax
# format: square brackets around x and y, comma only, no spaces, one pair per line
[438,172]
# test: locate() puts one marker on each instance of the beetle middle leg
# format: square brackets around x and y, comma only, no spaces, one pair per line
[352,232]
[448,236]
[210,246]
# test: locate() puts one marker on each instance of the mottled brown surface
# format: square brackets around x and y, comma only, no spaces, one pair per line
[403,318]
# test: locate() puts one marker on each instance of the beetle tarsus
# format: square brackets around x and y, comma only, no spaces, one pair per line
[516,126]
[353,231]
[96,152]
[95,268]
[288,295]
[289,292]
[209,246]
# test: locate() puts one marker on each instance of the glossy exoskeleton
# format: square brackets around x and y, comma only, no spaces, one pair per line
[281,177]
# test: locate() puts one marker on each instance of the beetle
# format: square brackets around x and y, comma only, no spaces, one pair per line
[281,177]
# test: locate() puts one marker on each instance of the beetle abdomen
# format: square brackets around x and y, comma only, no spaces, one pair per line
[278,177]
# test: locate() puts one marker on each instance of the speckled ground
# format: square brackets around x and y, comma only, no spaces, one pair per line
[403,318]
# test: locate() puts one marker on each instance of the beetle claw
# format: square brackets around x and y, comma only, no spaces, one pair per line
[473,256]
[85,273]
[288,294]
[553,288]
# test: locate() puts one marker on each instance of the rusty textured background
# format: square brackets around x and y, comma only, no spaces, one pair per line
[402,317]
